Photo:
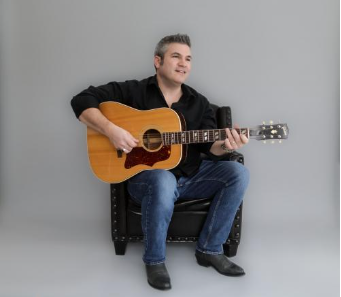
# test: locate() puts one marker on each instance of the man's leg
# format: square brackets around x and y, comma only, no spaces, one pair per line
[227,181]
[156,191]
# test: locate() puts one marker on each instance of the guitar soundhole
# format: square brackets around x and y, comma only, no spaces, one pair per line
[152,139]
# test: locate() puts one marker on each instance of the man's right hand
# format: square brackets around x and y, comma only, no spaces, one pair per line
[120,138]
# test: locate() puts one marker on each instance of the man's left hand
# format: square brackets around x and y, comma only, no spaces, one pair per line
[235,140]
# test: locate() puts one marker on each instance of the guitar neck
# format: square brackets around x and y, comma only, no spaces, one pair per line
[198,136]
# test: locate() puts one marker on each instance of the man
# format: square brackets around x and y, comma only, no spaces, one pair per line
[157,190]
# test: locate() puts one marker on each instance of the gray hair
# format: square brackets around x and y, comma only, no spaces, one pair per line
[163,44]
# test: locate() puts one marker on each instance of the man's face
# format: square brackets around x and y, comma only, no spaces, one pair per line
[176,64]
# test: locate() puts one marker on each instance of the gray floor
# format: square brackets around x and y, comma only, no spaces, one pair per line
[60,258]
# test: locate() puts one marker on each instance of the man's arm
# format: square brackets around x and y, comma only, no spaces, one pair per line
[120,138]
[86,107]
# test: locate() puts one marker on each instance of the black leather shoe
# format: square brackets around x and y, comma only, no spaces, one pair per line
[220,262]
[158,276]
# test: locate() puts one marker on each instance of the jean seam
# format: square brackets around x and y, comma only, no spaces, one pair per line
[147,221]
[213,220]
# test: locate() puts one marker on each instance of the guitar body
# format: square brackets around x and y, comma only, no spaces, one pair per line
[113,166]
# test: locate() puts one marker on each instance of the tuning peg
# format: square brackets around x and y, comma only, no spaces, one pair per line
[280,141]
[264,123]
[272,142]
[264,141]
[271,122]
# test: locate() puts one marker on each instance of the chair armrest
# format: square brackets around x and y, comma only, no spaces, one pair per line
[233,156]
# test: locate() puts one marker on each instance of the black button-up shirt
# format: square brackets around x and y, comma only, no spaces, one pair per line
[145,95]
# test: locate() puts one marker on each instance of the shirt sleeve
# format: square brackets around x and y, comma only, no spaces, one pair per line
[93,96]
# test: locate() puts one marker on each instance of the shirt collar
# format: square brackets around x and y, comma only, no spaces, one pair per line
[186,90]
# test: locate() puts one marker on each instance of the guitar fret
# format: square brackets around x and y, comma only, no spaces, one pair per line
[205,136]
[210,136]
[222,134]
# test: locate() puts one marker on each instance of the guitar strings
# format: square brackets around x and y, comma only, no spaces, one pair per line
[197,131]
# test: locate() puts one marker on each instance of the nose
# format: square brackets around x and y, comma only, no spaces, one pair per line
[183,62]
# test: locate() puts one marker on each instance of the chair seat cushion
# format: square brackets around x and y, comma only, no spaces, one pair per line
[202,204]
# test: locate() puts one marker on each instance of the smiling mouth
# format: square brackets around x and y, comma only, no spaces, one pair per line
[181,71]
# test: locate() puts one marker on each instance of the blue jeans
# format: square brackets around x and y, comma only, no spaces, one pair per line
[157,191]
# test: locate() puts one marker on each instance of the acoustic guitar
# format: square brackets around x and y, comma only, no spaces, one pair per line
[161,141]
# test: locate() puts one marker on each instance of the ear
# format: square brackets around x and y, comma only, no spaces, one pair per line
[157,62]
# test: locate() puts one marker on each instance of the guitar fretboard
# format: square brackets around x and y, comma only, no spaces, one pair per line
[197,136]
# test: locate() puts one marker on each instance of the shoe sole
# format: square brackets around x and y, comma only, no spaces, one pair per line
[162,289]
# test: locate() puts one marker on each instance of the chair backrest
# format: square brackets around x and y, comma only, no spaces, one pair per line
[223,116]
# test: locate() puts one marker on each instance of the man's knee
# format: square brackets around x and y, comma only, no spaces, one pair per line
[162,186]
[162,180]
[238,172]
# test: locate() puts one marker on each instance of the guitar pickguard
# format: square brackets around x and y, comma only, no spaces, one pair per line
[139,156]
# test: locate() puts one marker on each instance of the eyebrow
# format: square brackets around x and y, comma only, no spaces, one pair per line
[176,53]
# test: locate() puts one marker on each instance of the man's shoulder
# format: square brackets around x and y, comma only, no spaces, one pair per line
[144,81]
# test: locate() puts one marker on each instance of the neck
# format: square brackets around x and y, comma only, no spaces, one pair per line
[168,89]
[199,136]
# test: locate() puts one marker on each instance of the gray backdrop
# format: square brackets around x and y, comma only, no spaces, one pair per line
[267,59]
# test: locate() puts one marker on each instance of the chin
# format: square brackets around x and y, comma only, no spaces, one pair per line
[181,80]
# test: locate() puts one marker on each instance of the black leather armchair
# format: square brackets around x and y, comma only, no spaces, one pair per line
[188,217]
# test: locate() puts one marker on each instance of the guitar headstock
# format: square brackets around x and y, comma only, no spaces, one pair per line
[270,132]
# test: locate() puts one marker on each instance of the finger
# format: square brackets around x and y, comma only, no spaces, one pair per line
[130,145]
[231,139]
[228,144]
[132,140]
[127,149]
[236,137]
[244,139]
